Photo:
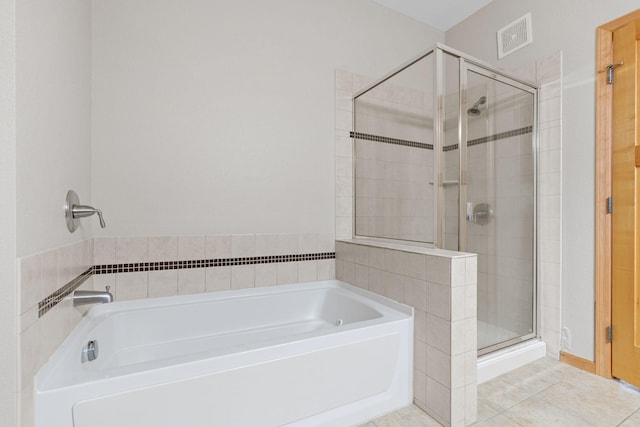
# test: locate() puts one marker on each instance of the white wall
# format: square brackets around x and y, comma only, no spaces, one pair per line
[568,25]
[8,355]
[53,119]
[217,117]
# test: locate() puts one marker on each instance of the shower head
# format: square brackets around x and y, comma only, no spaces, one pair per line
[475,111]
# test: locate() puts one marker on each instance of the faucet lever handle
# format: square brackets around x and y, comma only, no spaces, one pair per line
[106,288]
[102,223]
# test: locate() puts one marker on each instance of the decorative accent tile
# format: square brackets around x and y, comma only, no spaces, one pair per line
[502,135]
[387,140]
[286,272]
[205,263]
[55,298]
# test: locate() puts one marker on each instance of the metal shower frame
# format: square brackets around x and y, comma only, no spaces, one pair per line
[466,64]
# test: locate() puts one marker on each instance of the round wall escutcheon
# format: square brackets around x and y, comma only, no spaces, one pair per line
[72,199]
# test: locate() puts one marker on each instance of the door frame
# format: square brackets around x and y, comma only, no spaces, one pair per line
[603,154]
[467,67]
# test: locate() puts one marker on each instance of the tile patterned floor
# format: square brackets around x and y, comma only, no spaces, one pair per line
[545,393]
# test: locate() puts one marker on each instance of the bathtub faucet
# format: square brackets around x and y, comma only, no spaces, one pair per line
[92,297]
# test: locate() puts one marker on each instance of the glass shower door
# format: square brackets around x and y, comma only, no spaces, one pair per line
[497,203]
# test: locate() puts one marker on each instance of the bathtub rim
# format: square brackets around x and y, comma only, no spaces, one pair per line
[117,306]
[46,382]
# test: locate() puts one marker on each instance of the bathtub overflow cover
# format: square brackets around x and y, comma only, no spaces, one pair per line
[90,351]
[339,322]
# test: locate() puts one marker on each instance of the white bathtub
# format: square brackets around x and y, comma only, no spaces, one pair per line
[313,354]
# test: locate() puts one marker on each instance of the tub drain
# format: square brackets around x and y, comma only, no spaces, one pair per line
[339,322]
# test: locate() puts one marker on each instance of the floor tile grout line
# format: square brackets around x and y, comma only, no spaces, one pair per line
[583,388]
[503,412]
[570,412]
[512,420]
[637,411]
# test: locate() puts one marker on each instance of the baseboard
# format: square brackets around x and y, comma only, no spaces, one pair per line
[578,362]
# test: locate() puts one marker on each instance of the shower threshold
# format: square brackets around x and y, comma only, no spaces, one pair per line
[506,360]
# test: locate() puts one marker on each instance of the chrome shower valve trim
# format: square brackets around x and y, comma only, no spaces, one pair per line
[73,210]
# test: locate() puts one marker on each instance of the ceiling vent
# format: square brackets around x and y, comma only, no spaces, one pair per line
[514,36]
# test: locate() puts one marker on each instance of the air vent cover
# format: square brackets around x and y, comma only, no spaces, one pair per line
[514,36]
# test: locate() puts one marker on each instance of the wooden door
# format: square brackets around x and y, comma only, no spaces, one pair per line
[625,263]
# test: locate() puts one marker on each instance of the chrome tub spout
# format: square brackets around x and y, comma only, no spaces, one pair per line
[92,297]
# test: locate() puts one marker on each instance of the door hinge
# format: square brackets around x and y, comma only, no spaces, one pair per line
[610,68]
[609,334]
[609,205]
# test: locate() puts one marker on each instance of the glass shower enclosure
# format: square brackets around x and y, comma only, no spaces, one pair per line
[445,156]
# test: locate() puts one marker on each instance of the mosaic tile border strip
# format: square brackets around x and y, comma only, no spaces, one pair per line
[508,134]
[387,140]
[56,297]
[205,263]
[450,147]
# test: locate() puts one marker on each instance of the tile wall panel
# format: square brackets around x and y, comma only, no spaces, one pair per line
[40,276]
[441,287]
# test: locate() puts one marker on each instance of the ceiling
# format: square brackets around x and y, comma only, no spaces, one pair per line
[440,14]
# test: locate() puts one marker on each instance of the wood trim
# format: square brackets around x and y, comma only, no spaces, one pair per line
[603,143]
[621,22]
[604,39]
[578,362]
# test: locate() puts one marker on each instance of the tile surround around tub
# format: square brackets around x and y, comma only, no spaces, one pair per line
[141,267]
[211,263]
[441,287]
[44,281]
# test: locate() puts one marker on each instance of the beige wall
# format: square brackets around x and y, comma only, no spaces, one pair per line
[8,355]
[53,119]
[52,155]
[569,26]
[217,117]
[207,116]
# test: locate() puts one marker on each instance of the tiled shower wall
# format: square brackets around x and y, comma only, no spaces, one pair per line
[441,287]
[173,265]
[549,78]
[394,199]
